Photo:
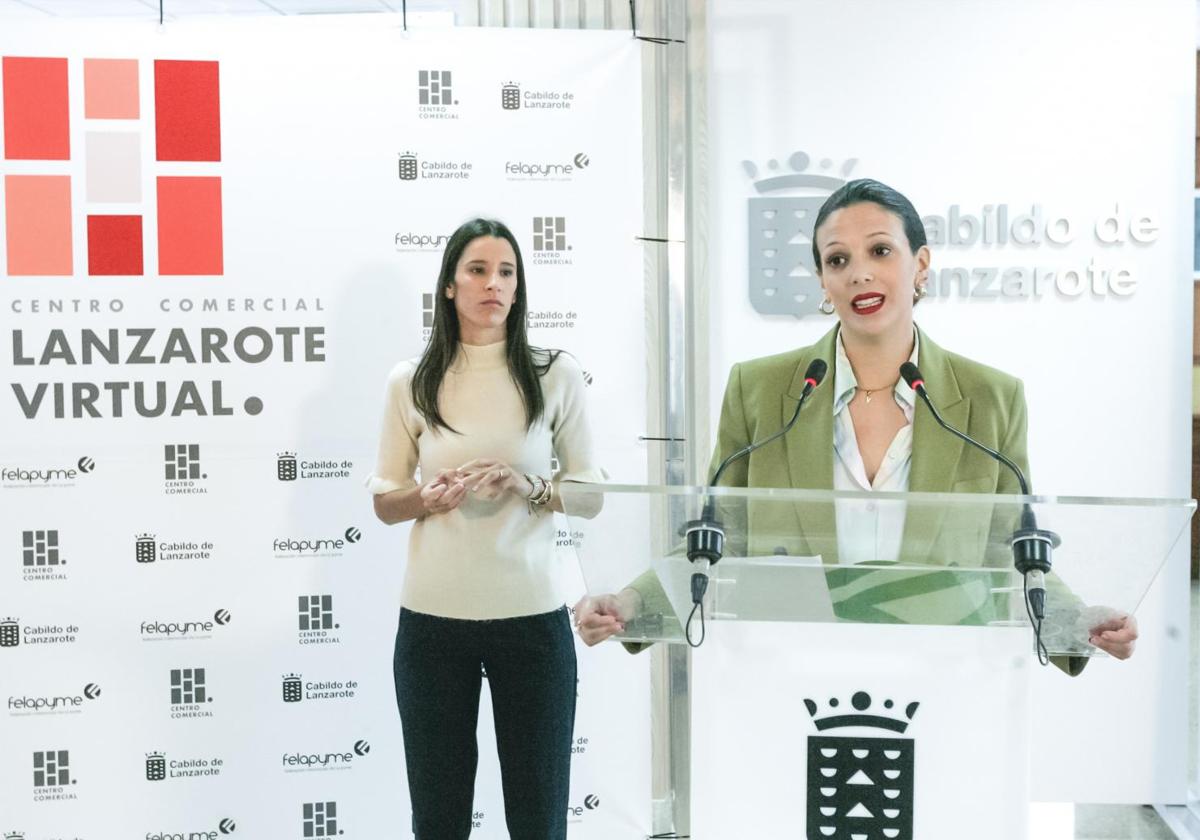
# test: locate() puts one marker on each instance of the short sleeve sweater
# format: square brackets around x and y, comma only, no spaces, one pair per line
[484,559]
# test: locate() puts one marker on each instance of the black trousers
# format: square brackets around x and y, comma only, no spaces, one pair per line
[530,665]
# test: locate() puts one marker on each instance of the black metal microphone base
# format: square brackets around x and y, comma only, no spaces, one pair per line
[705,540]
[1031,548]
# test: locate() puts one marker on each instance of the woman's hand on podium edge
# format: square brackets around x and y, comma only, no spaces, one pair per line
[598,617]
[1116,637]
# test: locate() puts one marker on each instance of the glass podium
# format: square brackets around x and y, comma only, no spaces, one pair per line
[864,664]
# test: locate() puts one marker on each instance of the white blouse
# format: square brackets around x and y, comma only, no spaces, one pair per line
[869,530]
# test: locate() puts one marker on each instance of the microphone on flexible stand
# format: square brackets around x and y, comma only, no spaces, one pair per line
[706,535]
[1031,546]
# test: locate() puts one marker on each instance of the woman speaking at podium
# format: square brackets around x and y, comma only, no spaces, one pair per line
[863,431]
[479,415]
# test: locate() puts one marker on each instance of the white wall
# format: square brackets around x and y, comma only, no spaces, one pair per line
[1078,107]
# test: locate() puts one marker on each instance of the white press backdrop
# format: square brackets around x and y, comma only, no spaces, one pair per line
[1075,110]
[324,230]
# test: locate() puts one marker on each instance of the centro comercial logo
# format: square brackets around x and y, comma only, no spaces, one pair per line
[1091,256]
[42,126]
[46,476]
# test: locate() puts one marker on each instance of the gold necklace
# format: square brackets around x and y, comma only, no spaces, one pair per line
[867,392]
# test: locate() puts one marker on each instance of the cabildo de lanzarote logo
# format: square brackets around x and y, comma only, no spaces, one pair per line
[309,546]
[320,820]
[550,245]
[860,785]
[189,693]
[72,703]
[305,762]
[41,556]
[782,274]
[41,123]
[315,619]
[546,170]
[12,634]
[33,477]
[435,95]
[159,768]
[147,548]
[225,826]
[290,467]
[52,777]
[414,167]
[182,471]
[514,97]
[295,689]
[173,630]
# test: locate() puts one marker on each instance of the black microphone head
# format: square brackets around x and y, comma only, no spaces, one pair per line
[912,376]
[816,372]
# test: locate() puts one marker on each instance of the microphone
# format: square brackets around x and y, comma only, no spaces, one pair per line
[1031,546]
[706,535]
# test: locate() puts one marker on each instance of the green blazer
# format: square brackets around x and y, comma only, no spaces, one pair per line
[761,396]
[987,404]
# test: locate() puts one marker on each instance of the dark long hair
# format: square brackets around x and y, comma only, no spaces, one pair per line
[864,190]
[526,365]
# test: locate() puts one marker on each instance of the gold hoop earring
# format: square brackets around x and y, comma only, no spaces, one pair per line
[919,292]
[826,307]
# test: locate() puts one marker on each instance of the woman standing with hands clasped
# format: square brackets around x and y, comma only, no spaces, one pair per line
[480,415]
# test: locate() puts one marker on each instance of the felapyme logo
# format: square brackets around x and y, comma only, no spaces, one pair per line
[514,98]
[315,619]
[41,556]
[546,170]
[288,467]
[225,826]
[550,245]
[575,813]
[189,693]
[148,549]
[435,95]
[160,630]
[782,273]
[316,546]
[304,762]
[12,634]
[413,167]
[57,476]
[420,241]
[52,777]
[24,705]
[860,785]
[159,768]
[182,471]
[295,689]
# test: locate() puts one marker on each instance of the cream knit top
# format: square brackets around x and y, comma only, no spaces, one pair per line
[484,559]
